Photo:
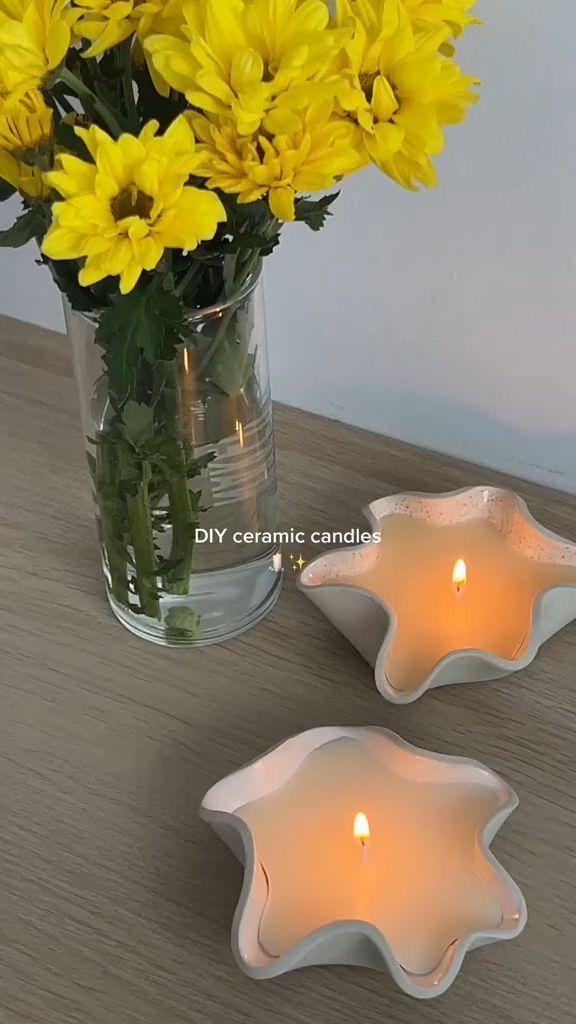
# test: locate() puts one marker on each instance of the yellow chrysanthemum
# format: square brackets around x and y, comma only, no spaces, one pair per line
[324,150]
[28,180]
[25,142]
[132,203]
[158,16]
[104,22]
[426,14]
[34,39]
[399,89]
[26,126]
[252,61]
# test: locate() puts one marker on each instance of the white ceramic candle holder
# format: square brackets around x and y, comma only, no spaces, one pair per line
[360,942]
[334,583]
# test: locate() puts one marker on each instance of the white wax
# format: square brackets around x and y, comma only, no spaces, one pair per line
[422,878]
[491,612]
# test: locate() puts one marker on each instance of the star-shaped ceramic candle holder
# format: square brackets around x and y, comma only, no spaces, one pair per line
[453,588]
[361,849]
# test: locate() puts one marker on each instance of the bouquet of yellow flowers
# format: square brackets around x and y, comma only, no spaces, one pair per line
[159,147]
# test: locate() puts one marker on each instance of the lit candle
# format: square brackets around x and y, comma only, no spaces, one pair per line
[426,820]
[428,887]
[361,832]
[460,575]
[437,555]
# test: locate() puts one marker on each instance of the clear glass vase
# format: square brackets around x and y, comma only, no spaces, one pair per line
[184,473]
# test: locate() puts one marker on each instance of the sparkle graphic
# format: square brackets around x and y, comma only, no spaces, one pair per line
[297,563]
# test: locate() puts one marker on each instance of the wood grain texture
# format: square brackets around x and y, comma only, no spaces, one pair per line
[115,900]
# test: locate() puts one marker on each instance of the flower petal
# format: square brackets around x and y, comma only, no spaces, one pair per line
[282,203]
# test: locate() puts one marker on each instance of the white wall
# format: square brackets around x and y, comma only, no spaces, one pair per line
[448,318]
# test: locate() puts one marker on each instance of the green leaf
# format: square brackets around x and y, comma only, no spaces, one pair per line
[183,623]
[65,275]
[257,212]
[30,224]
[194,468]
[314,212]
[264,243]
[6,190]
[142,327]
[231,366]
[138,423]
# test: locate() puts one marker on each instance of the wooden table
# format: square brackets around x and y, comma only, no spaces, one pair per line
[115,900]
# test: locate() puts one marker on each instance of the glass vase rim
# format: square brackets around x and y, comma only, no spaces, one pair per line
[191,314]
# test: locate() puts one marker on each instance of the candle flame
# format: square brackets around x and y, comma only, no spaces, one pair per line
[240,433]
[361,828]
[186,361]
[460,574]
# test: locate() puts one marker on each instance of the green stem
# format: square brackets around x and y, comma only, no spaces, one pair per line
[140,526]
[211,350]
[184,520]
[106,484]
[83,92]
[248,266]
[129,100]
[193,270]
[125,58]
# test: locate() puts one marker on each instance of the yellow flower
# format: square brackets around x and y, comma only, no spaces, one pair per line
[104,22]
[25,126]
[251,61]
[426,14]
[34,39]
[25,142]
[399,89]
[322,151]
[132,203]
[157,16]
[28,180]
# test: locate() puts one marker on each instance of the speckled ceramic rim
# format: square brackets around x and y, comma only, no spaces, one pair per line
[349,942]
[547,615]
